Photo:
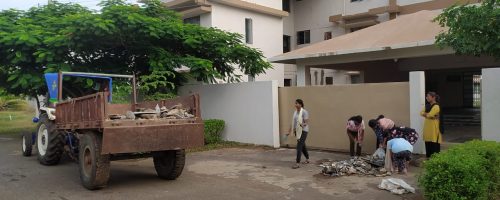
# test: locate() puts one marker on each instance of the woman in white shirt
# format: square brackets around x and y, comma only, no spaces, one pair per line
[300,128]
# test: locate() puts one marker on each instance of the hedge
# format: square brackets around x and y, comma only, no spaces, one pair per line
[466,171]
[213,130]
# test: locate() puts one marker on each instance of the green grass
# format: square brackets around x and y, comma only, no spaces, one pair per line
[15,122]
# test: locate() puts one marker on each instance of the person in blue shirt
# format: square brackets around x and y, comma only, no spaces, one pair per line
[400,150]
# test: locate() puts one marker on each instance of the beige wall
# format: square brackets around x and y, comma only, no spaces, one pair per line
[330,106]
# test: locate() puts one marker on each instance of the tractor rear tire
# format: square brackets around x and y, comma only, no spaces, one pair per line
[94,167]
[50,143]
[27,145]
[169,164]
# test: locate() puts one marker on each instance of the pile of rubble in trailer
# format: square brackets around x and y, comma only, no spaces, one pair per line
[175,112]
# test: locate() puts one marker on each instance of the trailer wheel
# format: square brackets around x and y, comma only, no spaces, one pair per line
[50,143]
[169,164]
[94,167]
[27,144]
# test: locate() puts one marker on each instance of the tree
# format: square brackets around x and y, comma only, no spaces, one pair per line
[472,29]
[147,40]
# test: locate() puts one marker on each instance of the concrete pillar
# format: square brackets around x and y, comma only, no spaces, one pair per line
[490,104]
[417,102]
[303,75]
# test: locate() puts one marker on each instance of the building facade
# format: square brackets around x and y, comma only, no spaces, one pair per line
[259,21]
[280,26]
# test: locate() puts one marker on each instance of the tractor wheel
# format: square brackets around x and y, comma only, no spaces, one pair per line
[169,164]
[27,144]
[50,143]
[94,167]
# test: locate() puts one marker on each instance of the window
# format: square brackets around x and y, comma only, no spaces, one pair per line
[288,82]
[248,31]
[192,20]
[286,43]
[329,80]
[355,78]
[304,37]
[286,5]
[328,35]
[358,28]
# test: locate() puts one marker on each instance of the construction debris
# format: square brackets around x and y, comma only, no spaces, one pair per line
[175,112]
[358,165]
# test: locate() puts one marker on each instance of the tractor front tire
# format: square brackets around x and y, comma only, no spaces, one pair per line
[169,164]
[50,143]
[94,167]
[27,144]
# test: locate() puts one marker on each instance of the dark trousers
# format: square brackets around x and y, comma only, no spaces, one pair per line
[400,159]
[358,147]
[301,147]
[432,148]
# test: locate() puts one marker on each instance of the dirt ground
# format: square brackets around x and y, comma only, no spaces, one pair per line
[236,173]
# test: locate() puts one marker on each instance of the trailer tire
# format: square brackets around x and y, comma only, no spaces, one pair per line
[27,145]
[50,143]
[94,167]
[169,164]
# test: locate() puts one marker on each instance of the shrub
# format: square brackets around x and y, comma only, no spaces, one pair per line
[466,171]
[159,96]
[213,130]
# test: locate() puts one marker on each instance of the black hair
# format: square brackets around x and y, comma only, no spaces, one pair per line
[357,119]
[372,123]
[380,117]
[299,101]
[435,95]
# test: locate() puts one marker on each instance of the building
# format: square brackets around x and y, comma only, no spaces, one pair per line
[402,49]
[259,21]
[313,21]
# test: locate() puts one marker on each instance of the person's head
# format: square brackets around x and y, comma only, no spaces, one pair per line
[373,123]
[357,119]
[380,117]
[432,97]
[299,103]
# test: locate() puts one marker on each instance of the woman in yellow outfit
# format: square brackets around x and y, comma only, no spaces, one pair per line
[432,133]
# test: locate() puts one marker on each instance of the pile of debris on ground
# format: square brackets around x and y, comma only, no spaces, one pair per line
[365,166]
[175,112]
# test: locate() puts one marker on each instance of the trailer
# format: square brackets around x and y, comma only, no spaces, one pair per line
[94,131]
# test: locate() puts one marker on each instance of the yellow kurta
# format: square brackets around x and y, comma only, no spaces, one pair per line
[431,125]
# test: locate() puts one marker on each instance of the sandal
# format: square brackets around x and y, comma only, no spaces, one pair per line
[296,166]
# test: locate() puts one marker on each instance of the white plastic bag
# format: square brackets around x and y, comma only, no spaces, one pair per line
[379,154]
[396,186]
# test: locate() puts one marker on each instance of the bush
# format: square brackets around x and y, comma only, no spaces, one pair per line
[159,96]
[466,171]
[213,130]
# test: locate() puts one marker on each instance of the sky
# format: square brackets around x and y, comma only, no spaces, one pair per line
[26,4]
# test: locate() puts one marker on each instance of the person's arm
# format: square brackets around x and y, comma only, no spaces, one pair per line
[423,113]
[433,114]
[305,119]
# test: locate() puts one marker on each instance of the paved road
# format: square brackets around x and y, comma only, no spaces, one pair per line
[221,174]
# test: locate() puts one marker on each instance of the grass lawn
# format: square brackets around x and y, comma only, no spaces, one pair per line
[15,122]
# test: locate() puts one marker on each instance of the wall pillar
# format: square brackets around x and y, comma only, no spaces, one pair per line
[490,104]
[417,102]
[303,75]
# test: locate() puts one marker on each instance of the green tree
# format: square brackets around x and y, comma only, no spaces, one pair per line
[121,38]
[472,29]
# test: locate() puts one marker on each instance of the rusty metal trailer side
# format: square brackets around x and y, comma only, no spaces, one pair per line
[130,136]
